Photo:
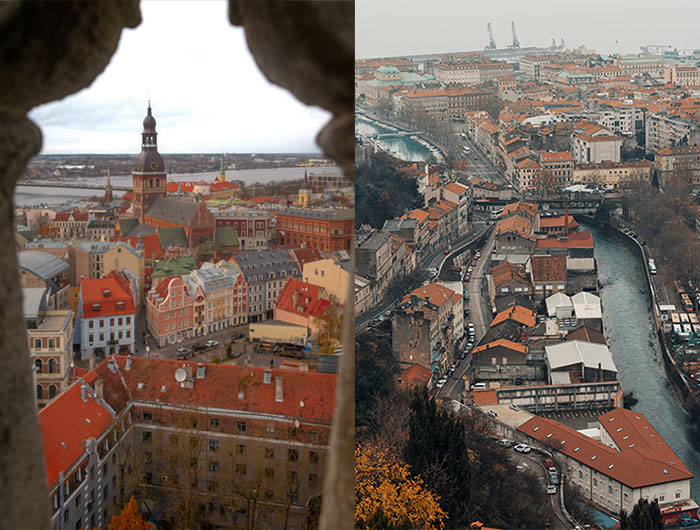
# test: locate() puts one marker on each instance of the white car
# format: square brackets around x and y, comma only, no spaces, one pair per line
[551,489]
[441,383]
[212,343]
[522,448]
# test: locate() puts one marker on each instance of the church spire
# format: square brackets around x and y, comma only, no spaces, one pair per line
[222,171]
[108,187]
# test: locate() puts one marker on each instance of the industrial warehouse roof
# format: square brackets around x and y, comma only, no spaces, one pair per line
[576,351]
[643,458]
[42,264]
[586,305]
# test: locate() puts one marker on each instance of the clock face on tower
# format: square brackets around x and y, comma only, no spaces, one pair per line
[154,165]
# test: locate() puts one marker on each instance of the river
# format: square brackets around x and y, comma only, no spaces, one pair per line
[629,330]
[30,196]
[403,148]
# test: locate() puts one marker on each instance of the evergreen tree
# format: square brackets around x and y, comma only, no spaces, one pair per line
[437,451]
[644,516]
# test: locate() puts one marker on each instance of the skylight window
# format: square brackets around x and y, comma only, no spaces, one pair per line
[618,429]
[611,466]
[594,457]
[631,445]
[665,471]
[610,419]
[576,449]
[549,435]
[140,386]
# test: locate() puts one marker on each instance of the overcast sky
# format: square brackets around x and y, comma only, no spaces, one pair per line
[206,91]
[385,28]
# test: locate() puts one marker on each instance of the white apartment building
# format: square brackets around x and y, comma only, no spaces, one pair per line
[592,143]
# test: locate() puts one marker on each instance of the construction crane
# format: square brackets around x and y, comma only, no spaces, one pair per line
[516,42]
[492,41]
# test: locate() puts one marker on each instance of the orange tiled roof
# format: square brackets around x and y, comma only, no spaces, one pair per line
[644,459]
[433,292]
[582,239]
[506,272]
[557,220]
[504,343]
[92,291]
[302,298]
[485,397]
[548,268]
[517,313]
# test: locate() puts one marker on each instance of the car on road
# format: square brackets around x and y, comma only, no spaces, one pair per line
[445,251]
[478,386]
[492,413]
[553,478]
[441,382]
[688,521]
[522,448]
[504,442]
[183,350]
[182,353]
[551,489]
[212,343]
[470,269]
[463,355]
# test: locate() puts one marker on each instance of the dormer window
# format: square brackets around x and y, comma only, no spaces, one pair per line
[96,308]
[120,306]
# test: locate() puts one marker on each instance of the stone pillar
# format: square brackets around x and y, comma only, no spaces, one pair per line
[48,50]
[309,48]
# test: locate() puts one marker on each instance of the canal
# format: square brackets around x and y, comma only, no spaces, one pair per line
[629,330]
[403,148]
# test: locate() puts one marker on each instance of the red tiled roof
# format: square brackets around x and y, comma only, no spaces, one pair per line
[218,186]
[520,206]
[151,244]
[76,214]
[186,187]
[556,221]
[505,343]
[485,397]
[586,334]
[507,272]
[517,313]
[455,187]
[92,291]
[265,198]
[559,156]
[415,375]
[433,292]
[302,298]
[66,422]
[644,458]
[548,268]
[582,239]
[305,255]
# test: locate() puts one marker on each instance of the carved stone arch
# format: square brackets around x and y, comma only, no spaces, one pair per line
[49,50]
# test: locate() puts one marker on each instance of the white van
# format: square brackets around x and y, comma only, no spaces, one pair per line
[479,386]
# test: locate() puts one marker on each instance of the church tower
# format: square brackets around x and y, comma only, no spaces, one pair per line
[149,178]
[108,189]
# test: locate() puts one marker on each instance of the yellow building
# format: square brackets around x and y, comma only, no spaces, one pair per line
[329,274]
[614,174]
[125,257]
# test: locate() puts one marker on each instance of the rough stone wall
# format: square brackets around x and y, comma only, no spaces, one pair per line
[49,50]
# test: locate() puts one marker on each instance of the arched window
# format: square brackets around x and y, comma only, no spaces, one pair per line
[52,366]
[52,391]
[39,392]
[37,363]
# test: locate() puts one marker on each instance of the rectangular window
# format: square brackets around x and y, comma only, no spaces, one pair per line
[90,324]
[241,449]
[269,453]
[128,320]
[213,465]
[293,455]
[240,426]
[214,424]
[213,445]
[147,436]
[313,457]
[240,469]
[52,343]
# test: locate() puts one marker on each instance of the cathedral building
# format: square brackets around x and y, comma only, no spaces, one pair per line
[149,178]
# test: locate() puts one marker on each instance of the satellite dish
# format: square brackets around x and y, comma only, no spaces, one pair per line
[180,375]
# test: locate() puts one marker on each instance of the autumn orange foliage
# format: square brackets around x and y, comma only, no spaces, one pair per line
[387,494]
[130,519]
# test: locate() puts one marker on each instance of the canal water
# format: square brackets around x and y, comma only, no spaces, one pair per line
[629,329]
[403,148]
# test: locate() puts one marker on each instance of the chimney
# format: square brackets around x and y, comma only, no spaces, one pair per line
[91,362]
[600,373]
[279,392]
[128,362]
[83,395]
[100,389]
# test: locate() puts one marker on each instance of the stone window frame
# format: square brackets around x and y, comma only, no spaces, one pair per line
[311,55]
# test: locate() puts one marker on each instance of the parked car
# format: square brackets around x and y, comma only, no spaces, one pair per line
[551,489]
[553,478]
[505,442]
[522,448]
[492,413]
[183,350]
[688,521]
[212,343]
[479,386]
[441,382]
[445,251]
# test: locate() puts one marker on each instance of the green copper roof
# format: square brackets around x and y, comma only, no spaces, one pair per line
[173,236]
[226,236]
[174,267]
